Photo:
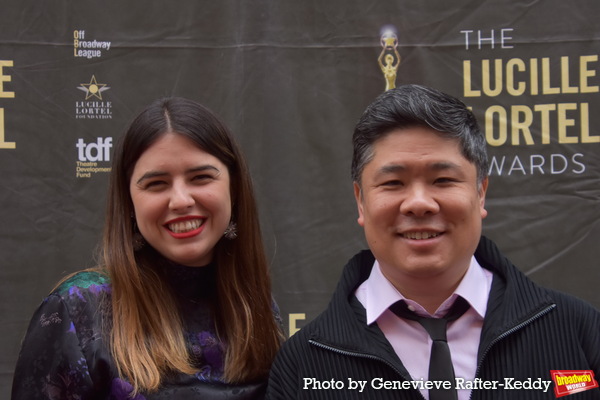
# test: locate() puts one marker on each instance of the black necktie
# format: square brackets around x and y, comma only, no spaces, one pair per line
[440,363]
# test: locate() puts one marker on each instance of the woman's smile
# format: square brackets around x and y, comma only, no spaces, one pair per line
[185,227]
[181,199]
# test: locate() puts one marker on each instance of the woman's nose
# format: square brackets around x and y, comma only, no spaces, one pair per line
[181,198]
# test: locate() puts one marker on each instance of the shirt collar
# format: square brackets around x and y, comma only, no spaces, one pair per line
[380,294]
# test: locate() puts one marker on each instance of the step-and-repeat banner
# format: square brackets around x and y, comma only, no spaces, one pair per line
[291,79]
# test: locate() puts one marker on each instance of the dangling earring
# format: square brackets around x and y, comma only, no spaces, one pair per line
[231,231]
[138,240]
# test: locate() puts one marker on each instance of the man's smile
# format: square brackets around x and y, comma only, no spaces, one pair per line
[420,235]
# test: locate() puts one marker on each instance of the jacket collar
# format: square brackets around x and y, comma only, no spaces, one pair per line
[514,300]
[343,326]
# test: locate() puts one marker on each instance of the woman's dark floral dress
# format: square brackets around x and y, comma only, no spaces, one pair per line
[65,354]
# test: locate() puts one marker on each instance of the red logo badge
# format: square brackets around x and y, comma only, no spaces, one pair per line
[569,382]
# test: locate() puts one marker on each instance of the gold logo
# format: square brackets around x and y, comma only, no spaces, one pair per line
[93,89]
[389,59]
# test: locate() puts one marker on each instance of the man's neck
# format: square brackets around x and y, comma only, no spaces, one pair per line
[430,292]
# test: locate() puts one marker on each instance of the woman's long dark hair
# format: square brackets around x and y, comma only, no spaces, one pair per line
[146,333]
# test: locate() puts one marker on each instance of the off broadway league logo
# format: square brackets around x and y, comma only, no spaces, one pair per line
[569,382]
[93,89]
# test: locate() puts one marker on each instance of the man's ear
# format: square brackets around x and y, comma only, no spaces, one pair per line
[358,196]
[482,191]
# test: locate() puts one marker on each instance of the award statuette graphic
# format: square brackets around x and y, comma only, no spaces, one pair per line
[389,59]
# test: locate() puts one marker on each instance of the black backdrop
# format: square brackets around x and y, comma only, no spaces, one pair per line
[291,78]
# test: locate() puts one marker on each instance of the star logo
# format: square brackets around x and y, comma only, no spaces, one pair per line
[93,89]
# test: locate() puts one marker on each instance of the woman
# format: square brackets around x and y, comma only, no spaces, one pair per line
[181,305]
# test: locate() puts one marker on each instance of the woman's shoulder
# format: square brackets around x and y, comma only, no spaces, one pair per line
[76,305]
[88,282]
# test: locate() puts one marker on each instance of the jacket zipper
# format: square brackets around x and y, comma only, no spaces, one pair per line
[496,340]
[361,355]
[510,332]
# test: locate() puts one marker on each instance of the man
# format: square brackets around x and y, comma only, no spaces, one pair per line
[420,179]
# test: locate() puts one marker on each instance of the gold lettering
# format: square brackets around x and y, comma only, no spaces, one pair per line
[5,78]
[293,318]
[522,126]
[510,77]
[564,78]
[544,110]
[468,91]
[486,78]
[502,126]
[585,125]
[585,73]
[4,144]
[546,88]
[569,122]
[534,76]
[564,123]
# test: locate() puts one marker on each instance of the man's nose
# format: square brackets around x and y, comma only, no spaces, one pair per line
[419,202]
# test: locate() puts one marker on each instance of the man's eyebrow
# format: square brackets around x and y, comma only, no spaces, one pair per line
[391,168]
[436,166]
[158,173]
[444,165]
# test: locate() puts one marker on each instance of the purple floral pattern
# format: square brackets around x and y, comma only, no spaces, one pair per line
[65,355]
[205,346]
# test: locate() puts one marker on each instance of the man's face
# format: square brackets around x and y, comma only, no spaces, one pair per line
[420,206]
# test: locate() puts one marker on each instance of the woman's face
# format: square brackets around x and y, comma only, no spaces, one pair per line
[181,199]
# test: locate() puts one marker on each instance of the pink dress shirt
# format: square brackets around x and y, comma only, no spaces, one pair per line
[410,340]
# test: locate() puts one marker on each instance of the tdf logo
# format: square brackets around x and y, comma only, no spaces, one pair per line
[93,152]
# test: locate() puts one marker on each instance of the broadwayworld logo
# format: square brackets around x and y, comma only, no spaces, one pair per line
[570,382]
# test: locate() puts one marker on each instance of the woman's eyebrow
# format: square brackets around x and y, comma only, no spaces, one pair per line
[150,175]
[201,168]
[158,173]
